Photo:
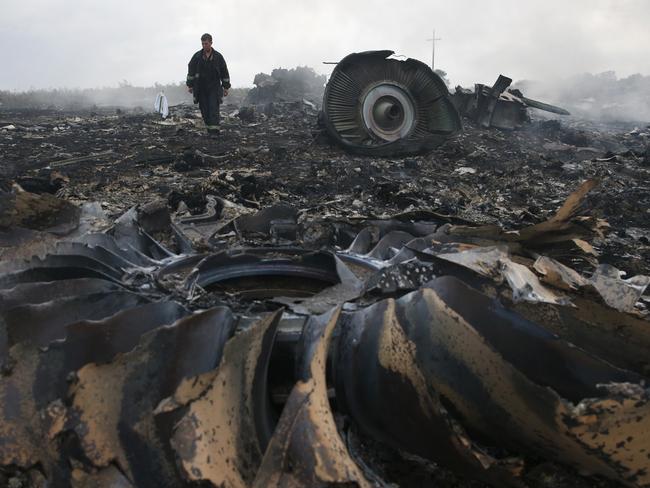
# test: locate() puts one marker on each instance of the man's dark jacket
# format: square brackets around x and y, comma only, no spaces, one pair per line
[203,74]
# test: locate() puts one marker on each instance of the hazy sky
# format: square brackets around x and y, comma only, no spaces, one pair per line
[89,43]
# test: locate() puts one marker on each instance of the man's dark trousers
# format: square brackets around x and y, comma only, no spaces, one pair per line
[209,100]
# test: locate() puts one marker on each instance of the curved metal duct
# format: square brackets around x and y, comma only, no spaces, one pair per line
[376,105]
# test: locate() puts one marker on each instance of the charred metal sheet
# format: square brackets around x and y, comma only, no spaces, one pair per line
[34,293]
[571,372]
[617,428]
[19,243]
[473,362]
[103,478]
[401,277]
[228,424]
[526,286]
[99,342]
[183,266]
[107,242]
[380,386]
[558,275]
[364,240]
[380,106]
[509,113]
[118,259]
[393,247]
[487,100]
[389,245]
[620,294]
[113,404]
[498,106]
[128,234]
[361,235]
[495,262]
[39,379]
[52,273]
[43,323]
[619,338]
[616,292]
[58,261]
[306,448]
[23,440]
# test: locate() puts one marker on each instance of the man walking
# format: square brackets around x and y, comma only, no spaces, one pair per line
[209,81]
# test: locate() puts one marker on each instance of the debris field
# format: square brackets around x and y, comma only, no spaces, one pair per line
[266,309]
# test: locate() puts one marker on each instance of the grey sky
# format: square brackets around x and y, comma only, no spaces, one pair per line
[89,43]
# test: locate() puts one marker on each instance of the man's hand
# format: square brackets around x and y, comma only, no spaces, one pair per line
[190,89]
[225,92]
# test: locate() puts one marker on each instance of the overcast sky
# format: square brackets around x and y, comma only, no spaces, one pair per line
[91,43]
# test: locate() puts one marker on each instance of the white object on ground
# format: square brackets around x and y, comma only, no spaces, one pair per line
[161,106]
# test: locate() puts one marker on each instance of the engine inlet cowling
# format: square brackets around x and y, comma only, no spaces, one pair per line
[377,105]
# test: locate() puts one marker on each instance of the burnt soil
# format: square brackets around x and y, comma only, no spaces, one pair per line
[278,155]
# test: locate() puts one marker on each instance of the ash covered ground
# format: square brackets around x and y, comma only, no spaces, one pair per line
[278,155]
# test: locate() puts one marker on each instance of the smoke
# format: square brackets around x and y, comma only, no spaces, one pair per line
[293,84]
[601,96]
[123,96]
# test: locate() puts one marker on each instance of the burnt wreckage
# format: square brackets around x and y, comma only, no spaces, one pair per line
[377,105]
[440,341]
[498,106]
[259,348]
[380,106]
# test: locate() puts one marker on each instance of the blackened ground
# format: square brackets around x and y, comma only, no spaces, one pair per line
[277,156]
[485,176]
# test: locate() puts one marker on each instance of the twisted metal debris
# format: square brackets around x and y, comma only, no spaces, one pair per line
[443,342]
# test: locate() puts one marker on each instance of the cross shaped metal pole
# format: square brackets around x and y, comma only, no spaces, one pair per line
[433,49]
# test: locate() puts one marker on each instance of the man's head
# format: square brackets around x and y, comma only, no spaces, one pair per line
[206,42]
